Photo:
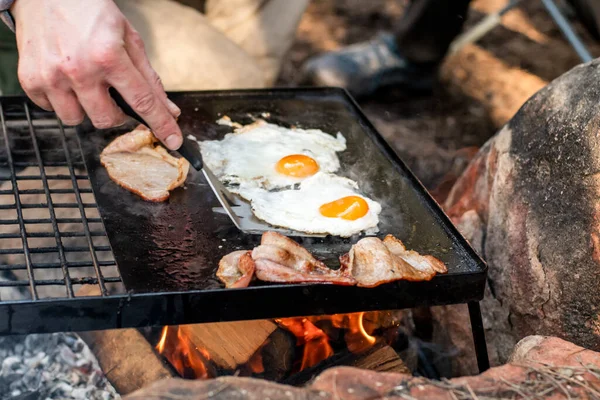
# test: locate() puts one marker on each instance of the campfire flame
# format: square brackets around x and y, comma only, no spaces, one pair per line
[194,363]
[316,342]
[188,360]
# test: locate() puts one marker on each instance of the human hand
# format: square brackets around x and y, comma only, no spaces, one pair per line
[72,51]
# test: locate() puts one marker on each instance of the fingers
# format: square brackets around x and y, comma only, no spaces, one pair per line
[66,106]
[100,107]
[71,82]
[140,95]
[134,45]
[33,87]
[50,90]
[40,99]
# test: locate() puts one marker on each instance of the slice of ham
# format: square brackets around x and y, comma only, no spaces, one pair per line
[373,262]
[280,259]
[136,162]
[236,269]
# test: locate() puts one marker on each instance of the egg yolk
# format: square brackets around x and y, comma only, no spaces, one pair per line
[350,208]
[297,165]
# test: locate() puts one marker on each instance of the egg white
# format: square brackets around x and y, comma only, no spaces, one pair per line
[249,155]
[299,209]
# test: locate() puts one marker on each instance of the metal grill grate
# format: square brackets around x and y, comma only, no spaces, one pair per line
[52,240]
[57,270]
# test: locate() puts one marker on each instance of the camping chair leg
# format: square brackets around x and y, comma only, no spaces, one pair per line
[494,19]
[566,29]
[482,28]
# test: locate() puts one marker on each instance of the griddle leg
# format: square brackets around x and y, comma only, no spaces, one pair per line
[483,362]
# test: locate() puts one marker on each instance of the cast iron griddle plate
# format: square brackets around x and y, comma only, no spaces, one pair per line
[175,246]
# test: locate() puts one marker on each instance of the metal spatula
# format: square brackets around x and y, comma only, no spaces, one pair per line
[238,210]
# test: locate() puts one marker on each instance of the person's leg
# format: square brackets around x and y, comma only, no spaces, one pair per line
[265,29]
[186,51]
[9,83]
[428,27]
[410,58]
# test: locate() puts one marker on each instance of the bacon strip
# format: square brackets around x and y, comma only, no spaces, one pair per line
[280,259]
[236,269]
[414,259]
[137,163]
[371,262]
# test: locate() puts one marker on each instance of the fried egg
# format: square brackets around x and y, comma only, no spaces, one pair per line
[324,203]
[269,156]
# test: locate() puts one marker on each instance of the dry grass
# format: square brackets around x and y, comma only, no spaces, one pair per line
[542,382]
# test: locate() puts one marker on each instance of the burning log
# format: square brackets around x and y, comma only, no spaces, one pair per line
[278,355]
[381,358]
[261,348]
[227,345]
[230,343]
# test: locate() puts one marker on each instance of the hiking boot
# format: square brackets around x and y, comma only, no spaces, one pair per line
[366,67]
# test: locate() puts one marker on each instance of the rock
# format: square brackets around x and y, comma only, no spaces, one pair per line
[543,367]
[528,204]
[224,388]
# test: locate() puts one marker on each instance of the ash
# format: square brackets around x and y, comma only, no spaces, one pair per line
[50,366]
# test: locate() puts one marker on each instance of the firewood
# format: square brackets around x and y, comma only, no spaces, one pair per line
[380,358]
[127,359]
[278,355]
[121,352]
[230,344]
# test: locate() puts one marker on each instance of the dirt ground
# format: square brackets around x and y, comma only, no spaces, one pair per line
[480,87]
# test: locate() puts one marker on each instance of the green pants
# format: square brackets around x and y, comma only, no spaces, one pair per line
[9,83]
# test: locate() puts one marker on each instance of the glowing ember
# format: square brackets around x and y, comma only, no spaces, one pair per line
[188,360]
[255,364]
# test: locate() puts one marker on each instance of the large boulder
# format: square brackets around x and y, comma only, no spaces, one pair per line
[529,204]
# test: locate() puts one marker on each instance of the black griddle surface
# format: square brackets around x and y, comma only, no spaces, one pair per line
[167,253]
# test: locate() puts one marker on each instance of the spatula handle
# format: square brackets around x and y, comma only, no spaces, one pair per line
[125,106]
[188,149]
